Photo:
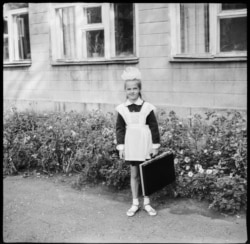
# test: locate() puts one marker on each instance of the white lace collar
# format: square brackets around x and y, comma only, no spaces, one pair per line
[139,101]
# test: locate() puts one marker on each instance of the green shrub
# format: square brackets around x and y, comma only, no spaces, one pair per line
[210,152]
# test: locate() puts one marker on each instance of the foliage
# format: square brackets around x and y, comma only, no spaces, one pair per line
[211,157]
[210,152]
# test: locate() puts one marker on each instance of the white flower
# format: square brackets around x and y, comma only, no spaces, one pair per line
[176,161]
[25,140]
[73,133]
[34,155]
[187,159]
[201,170]
[205,151]
[209,171]
[190,174]
[50,128]
[197,167]
[115,142]
[217,153]
[188,167]
[181,151]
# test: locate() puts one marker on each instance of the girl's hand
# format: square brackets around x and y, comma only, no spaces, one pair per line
[121,154]
[154,152]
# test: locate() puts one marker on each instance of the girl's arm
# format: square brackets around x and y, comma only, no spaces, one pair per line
[120,132]
[153,126]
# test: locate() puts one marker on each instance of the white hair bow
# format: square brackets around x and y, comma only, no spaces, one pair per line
[131,73]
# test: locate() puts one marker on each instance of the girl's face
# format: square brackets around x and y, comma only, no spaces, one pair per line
[132,90]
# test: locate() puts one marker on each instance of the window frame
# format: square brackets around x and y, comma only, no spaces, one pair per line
[9,15]
[109,38]
[215,14]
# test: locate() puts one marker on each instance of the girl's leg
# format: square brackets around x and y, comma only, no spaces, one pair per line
[147,206]
[134,183]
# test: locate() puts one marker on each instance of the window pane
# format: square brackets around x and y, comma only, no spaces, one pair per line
[124,29]
[95,43]
[233,34]
[5,48]
[94,15]
[5,41]
[194,21]
[22,37]
[5,30]
[67,24]
[229,6]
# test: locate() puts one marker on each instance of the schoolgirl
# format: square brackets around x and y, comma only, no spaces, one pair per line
[137,134]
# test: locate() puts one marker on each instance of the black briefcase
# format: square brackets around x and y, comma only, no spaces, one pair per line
[157,173]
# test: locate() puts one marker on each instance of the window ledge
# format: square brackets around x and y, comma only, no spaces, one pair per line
[207,58]
[17,64]
[91,62]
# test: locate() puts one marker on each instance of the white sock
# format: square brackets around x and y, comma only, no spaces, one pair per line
[146,200]
[135,201]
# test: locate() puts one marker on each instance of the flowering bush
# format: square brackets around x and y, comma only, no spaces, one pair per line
[210,153]
[210,157]
[64,142]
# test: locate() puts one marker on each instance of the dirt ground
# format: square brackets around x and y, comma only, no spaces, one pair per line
[40,209]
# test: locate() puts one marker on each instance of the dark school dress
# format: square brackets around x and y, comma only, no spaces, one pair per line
[123,125]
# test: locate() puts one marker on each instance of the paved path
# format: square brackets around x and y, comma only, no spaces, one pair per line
[45,210]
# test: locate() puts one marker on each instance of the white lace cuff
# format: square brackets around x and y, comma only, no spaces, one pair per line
[156,146]
[120,147]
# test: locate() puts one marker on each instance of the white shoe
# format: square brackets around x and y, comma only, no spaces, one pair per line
[132,211]
[150,210]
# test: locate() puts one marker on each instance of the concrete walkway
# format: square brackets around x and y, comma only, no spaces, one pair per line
[43,210]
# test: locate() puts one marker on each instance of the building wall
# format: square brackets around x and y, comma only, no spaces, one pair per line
[184,87]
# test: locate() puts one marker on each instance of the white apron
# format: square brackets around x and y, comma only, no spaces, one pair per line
[138,137]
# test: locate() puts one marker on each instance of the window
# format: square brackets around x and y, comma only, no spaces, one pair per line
[232,28]
[5,40]
[16,46]
[93,31]
[124,29]
[206,30]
